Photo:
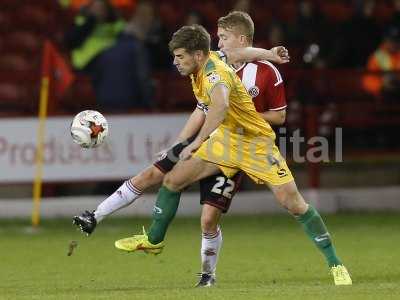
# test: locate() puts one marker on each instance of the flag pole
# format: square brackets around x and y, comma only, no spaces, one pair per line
[41,132]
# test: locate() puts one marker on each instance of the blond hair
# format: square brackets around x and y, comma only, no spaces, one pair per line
[239,21]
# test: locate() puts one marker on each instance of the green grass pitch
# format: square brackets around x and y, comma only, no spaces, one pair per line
[263,257]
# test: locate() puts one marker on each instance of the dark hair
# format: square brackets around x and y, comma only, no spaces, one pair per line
[240,21]
[192,38]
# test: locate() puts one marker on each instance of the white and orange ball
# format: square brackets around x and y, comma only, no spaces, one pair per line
[89,129]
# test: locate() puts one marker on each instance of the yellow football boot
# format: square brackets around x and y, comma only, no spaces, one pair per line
[341,276]
[139,242]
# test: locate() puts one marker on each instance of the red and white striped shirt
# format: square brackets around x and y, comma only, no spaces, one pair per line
[264,84]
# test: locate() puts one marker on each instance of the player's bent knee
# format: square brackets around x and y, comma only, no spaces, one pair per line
[155,175]
[173,183]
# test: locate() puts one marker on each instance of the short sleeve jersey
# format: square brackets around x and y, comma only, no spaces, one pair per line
[264,83]
[241,115]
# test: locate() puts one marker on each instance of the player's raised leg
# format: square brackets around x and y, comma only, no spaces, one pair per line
[183,174]
[289,197]
[125,195]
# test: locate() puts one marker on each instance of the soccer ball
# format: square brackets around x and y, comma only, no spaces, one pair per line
[89,129]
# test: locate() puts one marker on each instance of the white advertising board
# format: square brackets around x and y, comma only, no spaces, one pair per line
[132,143]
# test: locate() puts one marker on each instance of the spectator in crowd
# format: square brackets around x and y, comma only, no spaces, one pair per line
[357,38]
[156,38]
[385,59]
[308,33]
[95,29]
[113,54]
[307,25]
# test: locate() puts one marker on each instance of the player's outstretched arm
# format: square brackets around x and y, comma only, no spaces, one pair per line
[279,55]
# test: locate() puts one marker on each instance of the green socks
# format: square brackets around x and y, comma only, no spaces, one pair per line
[168,201]
[163,213]
[315,228]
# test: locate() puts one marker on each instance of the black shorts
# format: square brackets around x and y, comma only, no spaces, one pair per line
[219,190]
[216,190]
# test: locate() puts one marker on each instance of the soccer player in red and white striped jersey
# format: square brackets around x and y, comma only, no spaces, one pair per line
[265,84]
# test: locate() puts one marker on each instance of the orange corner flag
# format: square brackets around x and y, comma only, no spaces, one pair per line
[56,69]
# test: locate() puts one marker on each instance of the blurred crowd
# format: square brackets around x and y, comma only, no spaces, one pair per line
[120,54]
[121,46]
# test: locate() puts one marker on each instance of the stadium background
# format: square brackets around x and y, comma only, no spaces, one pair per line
[325,86]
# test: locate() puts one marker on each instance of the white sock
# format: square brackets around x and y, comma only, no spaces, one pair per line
[210,246]
[123,196]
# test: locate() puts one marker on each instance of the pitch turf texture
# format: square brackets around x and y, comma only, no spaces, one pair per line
[263,257]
